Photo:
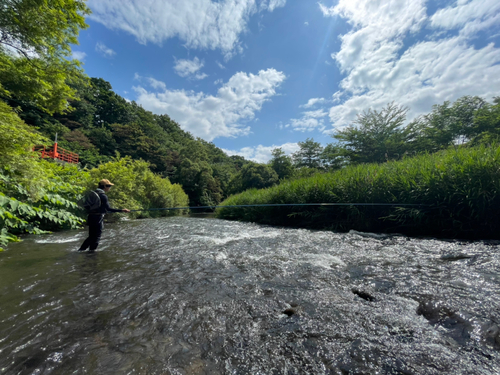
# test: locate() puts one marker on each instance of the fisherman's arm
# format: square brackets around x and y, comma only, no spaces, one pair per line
[105,202]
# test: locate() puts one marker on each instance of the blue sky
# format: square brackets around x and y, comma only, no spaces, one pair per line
[252,75]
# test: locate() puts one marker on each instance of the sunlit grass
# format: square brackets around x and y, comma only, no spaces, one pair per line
[456,190]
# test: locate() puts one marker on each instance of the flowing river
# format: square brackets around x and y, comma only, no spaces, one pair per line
[187,295]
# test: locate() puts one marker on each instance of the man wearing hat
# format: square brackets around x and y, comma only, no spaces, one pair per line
[96,217]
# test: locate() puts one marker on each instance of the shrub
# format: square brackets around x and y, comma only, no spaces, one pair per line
[456,192]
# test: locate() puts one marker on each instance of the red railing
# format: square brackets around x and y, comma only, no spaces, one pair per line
[57,153]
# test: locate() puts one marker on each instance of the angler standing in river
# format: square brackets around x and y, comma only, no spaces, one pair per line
[95,218]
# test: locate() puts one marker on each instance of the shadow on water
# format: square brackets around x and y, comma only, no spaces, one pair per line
[187,295]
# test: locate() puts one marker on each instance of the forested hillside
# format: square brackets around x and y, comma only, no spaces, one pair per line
[102,125]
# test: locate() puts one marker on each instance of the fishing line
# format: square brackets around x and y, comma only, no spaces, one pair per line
[283,205]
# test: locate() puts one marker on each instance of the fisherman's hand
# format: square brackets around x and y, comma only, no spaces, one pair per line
[125,210]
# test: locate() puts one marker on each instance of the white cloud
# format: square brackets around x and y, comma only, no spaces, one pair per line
[220,65]
[103,50]
[262,154]
[202,24]
[273,4]
[311,120]
[190,68]
[470,16]
[154,83]
[312,102]
[380,66]
[78,55]
[200,76]
[209,116]
[306,23]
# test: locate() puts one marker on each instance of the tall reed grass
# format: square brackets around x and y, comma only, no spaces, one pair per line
[457,191]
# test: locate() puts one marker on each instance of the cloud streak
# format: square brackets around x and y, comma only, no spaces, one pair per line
[104,51]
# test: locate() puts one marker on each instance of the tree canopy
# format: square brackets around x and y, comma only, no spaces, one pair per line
[35,46]
[375,136]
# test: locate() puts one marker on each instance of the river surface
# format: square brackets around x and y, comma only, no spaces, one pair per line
[205,296]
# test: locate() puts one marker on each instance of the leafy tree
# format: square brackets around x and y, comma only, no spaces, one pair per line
[103,139]
[17,160]
[223,174]
[281,163]
[450,124]
[331,157]
[35,42]
[256,176]
[487,123]
[198,182]
[110,108]
[376,136]
[309,154]
[238,161]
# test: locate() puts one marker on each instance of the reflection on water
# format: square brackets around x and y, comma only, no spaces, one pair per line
[204,296]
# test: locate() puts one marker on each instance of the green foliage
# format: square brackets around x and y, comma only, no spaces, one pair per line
[309,154]
[258,176]
[449,124]
[458,190]
[198,182]
[16,156]
[43,84]
[136,187]
[281,163]
[253,176]
[375,137]
[332,158]
[486,127]
[45,29]
[54,209]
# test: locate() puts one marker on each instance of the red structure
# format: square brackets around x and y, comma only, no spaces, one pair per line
[56,153]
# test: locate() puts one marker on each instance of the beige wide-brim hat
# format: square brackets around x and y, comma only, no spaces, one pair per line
[105,182]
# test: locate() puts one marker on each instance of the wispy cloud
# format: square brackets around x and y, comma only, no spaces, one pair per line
[78,55]
[310,120]
[312,102]
[103,50]
[202,24]
[154,83]
[223,115]
[190,68]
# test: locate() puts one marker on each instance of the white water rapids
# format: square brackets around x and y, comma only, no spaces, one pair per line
[204,296]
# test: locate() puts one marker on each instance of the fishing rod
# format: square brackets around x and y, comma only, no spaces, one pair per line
[283,205]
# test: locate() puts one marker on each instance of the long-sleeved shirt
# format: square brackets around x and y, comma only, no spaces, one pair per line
[104,208]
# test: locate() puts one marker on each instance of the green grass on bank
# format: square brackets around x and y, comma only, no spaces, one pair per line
[457,188]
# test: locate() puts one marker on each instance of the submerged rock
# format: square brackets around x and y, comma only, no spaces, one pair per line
[366,296]
[454,257]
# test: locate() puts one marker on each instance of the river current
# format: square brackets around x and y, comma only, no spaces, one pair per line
[192,296]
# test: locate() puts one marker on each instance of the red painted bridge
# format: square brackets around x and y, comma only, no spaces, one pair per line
[57,153]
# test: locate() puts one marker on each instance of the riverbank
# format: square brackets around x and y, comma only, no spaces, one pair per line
[456,192]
